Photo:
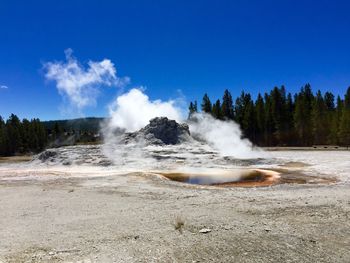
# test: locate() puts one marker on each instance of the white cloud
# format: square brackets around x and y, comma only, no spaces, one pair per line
[80,85]
[3,87]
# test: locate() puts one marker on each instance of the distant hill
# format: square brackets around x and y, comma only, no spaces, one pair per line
[90,124]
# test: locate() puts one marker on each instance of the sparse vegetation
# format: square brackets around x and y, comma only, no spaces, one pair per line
[179,223]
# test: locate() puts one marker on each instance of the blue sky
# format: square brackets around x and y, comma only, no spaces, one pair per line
[167,46]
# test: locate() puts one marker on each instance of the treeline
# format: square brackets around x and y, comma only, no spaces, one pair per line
[24,136]
[278,118]
[71,132]
[18,137]
[89,124]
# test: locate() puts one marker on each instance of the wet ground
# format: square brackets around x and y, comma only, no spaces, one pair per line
[247,178]
[222,177]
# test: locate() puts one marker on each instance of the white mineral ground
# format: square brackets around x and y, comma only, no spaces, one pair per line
[78,206]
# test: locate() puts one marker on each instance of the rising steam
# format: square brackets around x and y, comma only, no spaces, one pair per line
[224,136]
[133,110]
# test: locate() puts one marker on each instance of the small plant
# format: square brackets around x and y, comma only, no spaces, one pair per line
[179,223]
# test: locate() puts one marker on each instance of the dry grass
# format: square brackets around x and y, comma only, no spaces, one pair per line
[179,223]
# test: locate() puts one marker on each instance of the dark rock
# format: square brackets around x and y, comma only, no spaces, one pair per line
[47,155]
[160,131]
[105,163]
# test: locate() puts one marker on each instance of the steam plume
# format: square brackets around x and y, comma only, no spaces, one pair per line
[224,136]
[133,110]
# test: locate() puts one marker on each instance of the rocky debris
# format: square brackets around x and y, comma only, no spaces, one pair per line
[73,155]
[160,131]
[205,230]
[44,156]
[67,163]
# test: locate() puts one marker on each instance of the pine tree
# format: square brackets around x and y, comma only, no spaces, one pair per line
[330,116]
[195,107]
[206,104]
[13,127]
[278,110]
[25,128]
[335,123]
[260,119]
[302,116]
[57,133]
[249,125]
[344,129]
[239,107]
[319,119]
[269,122]
[329,101]
[227,105]
[217,112]
[33,137]
[40,135]
[244,115]
[2,137]
[290,133]
[191,110]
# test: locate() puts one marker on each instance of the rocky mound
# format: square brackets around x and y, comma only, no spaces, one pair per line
[160,131]
[47,154]
[73,155]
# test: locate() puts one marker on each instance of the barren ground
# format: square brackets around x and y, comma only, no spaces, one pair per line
[133,218]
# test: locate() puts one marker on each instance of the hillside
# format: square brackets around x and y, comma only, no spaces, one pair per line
[90,124]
